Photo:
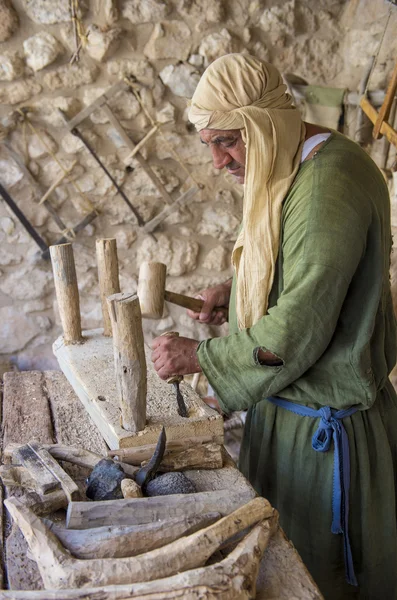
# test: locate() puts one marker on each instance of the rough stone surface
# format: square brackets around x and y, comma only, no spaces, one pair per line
[166,114]
[215,45]
[7,225]
[179,255]
[47,108]
[102,44]
[11,66]
[38,148]
[188,148]
[107,11]
[201,11]
[48,12]
[139,68]
[9,258]
[16,330]
[217,259]
[10,173]
[18,285]
[41,50]
[145,11]
[20,91]
[219,220]
[70,76]
[182,79]
[170,39]
[8,20]
[170,483]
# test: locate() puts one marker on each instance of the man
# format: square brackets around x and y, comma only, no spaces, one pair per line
[312,331]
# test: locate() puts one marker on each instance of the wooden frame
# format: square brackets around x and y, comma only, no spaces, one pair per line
[379,119]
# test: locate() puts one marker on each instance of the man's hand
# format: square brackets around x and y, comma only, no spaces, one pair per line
[175,356]
[214,298]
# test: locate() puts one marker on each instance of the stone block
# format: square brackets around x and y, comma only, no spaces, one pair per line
[41,50]
[139,68]
[70,76]
[26,284]
[10,172]
[217,259]
[106,11]
[215,45]
[11,66]
[170,39]
[102,44]
[9,20]
[182,79]
[48,12]
[38,148]
[188,148]
[145,11]
[179,255]
[20,91]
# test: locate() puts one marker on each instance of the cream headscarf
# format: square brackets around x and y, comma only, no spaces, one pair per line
[241,92]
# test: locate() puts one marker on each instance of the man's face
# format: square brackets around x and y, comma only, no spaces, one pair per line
[228,150]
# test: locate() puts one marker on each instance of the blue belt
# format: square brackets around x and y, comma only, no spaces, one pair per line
[329,428]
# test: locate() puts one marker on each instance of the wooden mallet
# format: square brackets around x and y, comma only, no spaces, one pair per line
[152,292]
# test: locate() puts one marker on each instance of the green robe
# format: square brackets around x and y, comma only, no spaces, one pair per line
[331,322]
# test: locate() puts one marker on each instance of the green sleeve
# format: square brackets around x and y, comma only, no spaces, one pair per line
[324,235]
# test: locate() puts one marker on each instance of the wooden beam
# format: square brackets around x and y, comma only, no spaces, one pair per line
[67,484]
[183,199]
[130,540]
[385,128]
[137,511]
[108,275]
[129,359]
[384,110]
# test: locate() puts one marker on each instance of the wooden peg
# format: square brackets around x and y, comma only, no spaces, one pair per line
[129,359]
[108,275]
[67,292]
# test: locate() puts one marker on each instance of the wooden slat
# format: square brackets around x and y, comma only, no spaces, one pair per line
[385,129]
[384,110]
[88,110]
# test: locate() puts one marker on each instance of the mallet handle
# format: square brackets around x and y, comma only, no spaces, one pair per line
[194,304]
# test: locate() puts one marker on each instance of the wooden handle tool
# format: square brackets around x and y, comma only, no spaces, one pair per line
[175,380]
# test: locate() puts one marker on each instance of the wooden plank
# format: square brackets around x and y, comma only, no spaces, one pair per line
[26,415]
[385,129]
[183,198]
[44,479]
[67,484]
[137,511]
[88,110]
[89,368]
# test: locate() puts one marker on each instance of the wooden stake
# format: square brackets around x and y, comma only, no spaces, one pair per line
[108,275]
[67,292]
[129,359]
[151,286]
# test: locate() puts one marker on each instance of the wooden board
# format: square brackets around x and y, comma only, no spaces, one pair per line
[89,367]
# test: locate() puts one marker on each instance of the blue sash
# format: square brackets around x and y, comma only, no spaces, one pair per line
[330,427]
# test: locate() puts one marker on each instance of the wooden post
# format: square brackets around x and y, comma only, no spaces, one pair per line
[151,287]
[67,292]
[129,359]
[108,275]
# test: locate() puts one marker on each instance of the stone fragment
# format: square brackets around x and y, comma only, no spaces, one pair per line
[9,258]
[41,50]
[26,284]
[106,11]
[170,39]
[101,44]
[260,50]
[166,114]
[217,259]
[196,60]
[9,20]
[145,11]
[105,480]
[47,108]
[11,66]
[202,11]
[179,255]
[125,237]
[124,105]
[215,45]
[38,148]
[139,68]
[188,148]
[20,91]
[16,329]
[170,483]
[10,172]
[220,220]
[48,12]
[182,79]
[140,184]
[7,225]
[72,144]
[70,76]
[279,19]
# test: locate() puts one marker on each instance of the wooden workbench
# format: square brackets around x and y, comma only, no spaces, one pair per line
[43,406]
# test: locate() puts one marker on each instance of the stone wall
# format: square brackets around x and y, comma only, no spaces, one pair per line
[165,45]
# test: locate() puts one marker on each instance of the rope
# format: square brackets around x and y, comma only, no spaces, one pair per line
[90,206]
[135,91]
[378,51]
[81,36]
